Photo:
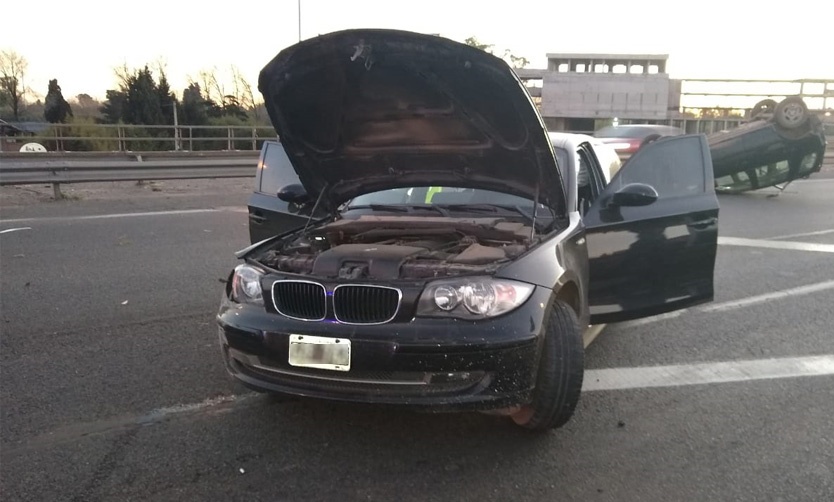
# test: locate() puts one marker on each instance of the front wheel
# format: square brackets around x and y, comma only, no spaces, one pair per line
[561,368]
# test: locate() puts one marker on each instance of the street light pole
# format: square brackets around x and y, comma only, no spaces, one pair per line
[299,20]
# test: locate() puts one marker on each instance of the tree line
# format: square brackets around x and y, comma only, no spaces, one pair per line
[142,96]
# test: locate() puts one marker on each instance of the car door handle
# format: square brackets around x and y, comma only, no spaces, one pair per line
[702,224]
[256,218]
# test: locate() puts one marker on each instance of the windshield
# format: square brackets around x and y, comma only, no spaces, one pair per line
[439,196]
[447,200]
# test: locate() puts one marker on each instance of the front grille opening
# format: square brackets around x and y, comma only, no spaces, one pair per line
[299,299]
[360,304]
[380,384]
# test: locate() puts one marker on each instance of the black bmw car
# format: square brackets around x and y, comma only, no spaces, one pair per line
[447,263]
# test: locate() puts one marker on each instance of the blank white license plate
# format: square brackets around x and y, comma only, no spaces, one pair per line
[320,352]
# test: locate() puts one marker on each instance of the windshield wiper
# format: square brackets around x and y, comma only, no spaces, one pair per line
[380,207]
[400,208]
[490,208]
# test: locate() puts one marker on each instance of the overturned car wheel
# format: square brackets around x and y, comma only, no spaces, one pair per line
[561,369]
[764,108]
[791,113]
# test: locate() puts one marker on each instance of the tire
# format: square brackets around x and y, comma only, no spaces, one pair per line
[560,373]
[765,106]
[791,113]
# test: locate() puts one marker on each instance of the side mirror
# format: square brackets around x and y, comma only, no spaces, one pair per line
[634,194]
[294,193]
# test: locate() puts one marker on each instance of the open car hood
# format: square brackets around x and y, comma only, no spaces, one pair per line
[359,111]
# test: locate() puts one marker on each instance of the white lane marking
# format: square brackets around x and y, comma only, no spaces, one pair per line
[594,380]
[737,304]
[707,373]
[754,300]
[771,244]
[10,230]
[121,215]
[806,234]
[655,318]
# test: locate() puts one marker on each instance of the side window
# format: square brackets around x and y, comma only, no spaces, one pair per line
[672,166]
[808,163]
[276,171]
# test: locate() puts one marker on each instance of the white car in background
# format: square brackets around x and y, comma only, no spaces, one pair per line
[574,153]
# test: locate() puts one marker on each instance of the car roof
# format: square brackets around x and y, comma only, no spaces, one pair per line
[570,141]
[606,155]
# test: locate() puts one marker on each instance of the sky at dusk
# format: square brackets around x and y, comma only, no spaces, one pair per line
[81,42]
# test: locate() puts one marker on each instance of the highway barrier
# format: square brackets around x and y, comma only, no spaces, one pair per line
[57,168]
[23,169]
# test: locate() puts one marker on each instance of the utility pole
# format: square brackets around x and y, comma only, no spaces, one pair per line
[299,20]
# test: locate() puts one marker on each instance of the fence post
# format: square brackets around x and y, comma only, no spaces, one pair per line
[56,191]
[254,141]
[229,138]
[139,159]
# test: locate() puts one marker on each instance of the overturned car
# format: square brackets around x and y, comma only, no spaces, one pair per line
[450,263]
[782,142]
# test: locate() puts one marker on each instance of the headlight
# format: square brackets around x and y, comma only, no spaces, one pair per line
[472,297]
[246,285]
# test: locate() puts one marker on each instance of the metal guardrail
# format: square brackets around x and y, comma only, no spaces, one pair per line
[126,137]
[57,170]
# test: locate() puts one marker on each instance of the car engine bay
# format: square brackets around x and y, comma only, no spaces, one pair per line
[395,247]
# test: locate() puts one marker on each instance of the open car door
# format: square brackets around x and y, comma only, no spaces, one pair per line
[652,233]
[269,215]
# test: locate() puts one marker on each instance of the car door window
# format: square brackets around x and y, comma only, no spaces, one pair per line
[673,168]
[276,171]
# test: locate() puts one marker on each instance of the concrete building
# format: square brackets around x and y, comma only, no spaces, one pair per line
[578,89]
[577,92]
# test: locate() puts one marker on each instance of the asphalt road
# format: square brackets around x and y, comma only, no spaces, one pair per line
[112,386]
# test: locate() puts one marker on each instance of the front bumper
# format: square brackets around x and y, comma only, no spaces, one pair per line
[425,364]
